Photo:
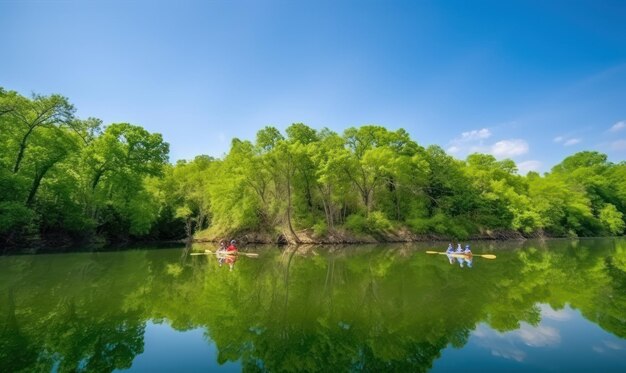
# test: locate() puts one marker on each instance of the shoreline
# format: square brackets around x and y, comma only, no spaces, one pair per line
[167,244]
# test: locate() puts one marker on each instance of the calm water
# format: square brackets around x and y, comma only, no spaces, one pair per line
[539,307]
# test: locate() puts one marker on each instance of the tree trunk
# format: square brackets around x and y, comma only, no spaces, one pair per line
[291,230]
[33,190]
[96,179]
[366,200]
[189,228]
[20,154]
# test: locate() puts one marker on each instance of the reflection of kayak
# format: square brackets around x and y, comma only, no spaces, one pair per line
[225,254]
[219,254]
[461,255]
[222,253]
[231,253]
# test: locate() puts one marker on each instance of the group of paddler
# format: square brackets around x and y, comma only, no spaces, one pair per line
[459,250]
[460,255]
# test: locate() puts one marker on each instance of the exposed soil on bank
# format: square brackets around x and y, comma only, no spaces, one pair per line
[347,237]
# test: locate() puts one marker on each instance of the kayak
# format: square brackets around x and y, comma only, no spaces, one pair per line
[227,254]
[460,255]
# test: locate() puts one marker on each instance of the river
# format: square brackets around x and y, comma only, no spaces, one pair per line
[540,306]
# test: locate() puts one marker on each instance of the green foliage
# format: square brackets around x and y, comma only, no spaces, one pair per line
[612,219]
[62,174]
[357,223]
[320,229]
[443,225]
[378,222]
[383,308]
[15,217]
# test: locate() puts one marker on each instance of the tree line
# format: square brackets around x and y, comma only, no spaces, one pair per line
[378,182]
[65,178]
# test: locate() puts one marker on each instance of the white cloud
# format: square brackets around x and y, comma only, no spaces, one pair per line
[614,345]
[609,347]
[571,142]
[499,344]
[598,349]
[540,336]
[549,313]
[618,145]
[454,149]
[509,148]
[469,141]
[509,353]
[526,166]
[508,345]
[474,135]
[558,139]
[618,126]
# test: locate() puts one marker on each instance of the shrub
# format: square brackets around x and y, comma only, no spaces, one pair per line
[320,228]
[356,223]
[378,222]
[15,217]
[457,227]
[419,225]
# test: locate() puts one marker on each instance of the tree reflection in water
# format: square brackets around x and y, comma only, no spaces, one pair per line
[308,309]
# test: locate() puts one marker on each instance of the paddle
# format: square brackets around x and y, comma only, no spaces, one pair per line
[486,256]
[209,252]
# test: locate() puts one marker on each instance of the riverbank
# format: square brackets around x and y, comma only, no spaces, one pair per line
[64,243]
[343,236]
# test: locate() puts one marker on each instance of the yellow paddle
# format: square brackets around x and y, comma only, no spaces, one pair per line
[486,256]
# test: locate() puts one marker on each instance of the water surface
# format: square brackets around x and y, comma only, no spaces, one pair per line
[539,307]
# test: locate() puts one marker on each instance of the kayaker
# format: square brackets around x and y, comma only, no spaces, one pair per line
[461,261]
[449,252]
[468,256]
[220,250]
[231,258]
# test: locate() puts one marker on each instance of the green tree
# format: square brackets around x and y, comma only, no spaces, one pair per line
[612,219]
[117,163]
[28,116]
[373,150]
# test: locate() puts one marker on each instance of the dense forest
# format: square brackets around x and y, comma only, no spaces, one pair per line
[68,180]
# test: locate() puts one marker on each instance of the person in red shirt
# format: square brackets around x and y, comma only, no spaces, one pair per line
[231,252]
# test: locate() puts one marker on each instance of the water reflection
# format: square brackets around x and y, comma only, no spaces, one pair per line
[562,341]
[315,308]
[463,260]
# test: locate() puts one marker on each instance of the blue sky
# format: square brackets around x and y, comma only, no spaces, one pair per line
[534,81]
